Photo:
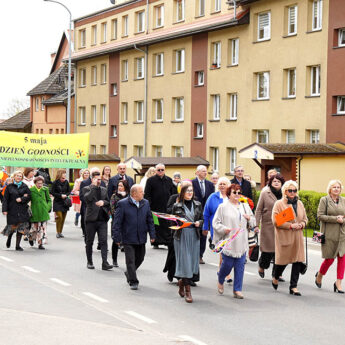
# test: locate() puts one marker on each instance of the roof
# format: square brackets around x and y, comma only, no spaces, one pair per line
[18,121]
[169,161]
[58,98]
[104,158]
[53,84]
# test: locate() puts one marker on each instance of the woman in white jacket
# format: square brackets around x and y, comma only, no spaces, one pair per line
[233,217]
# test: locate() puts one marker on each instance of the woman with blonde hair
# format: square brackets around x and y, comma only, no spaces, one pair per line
[84,175]
[28,178]
[60,191]
[331,213]
[149,173]
[106,174]
[289,245]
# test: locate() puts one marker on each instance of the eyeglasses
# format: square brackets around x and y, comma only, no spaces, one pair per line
[160,169]
[236,192]
[189,190]
[239,171]
[292,190]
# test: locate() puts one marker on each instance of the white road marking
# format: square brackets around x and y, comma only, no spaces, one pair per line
[192,340]
[95,297]
[30,269]
[61,282]
[250,273]
[140,317]
[212,264]
[6,259]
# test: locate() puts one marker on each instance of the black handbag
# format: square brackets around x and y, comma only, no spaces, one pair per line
[254,252]
[67,202]
[318,236]
[304,265]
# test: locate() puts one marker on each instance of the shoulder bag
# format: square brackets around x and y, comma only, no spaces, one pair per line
[318,236]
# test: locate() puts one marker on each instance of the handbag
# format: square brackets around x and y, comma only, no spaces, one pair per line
[29,212]
[304,265]
[318,236]
[254,250]
[67,202]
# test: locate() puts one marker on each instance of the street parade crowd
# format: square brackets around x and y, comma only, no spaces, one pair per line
[180,214]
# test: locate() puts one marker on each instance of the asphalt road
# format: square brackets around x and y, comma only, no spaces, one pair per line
[50,297]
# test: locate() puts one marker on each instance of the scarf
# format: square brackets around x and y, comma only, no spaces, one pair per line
[293,202]
[277,192]
[18,184]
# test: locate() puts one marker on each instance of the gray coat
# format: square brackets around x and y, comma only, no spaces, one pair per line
[90,197]
[334,232]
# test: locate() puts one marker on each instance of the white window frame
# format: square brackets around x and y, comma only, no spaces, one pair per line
[315,82]
[178,151]
[265,29]
[290,95]
[159,64]
[179,109]
[139,111]
[341,37]
[124,70]
[125,26]
[37,103]
[93,149]
[114,29]
[290,23]
[140,65]
[232,159]
[82,115]
[103,149]
[124,151]
[317,15]
[104,113]
[180,60]
[262,133]
[235,51]
[217,54]
[94,114]
[158,151]
[217,5]
[113,131]
[157,102]
[140,21]
[340,104]
[216,107]
[178,4]
[42,105]
[290,133]
[200,78]
[215,158]
[233,104]
[202,6]
[159,15]
[266,76]
[104,32]
[199,130]
[140,150]
[94,75]
[314,136]
[114,89]
[82,35]
[124,109]
[94,34]
[103,73]
[82,76]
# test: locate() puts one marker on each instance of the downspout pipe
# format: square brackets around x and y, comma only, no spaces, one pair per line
[234,4]
[299,172]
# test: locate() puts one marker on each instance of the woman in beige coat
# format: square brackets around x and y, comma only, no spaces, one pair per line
[331,213]
[263,216]
[289,248]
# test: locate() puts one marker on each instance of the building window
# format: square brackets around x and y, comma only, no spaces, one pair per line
[216,54]
[159,60]
[317,15]
[158,110]
[114,29]
[215,158]
[177,151]
[82,77]
[62,131]
[82,115]
[104,114]
[314,136]
[125,26]
[341,105]
[264,26]
[179,108]
[232,154]
[139,151]
[139,68]
[140,21]
[37,104]
[315,81]
[157,151]
[124,152]
[94,34]
[292,20]
[263,85]
[50,131]
[82,38]
[94,114]
[180,60]
[341,38]
[56,131]
[159,16]
[217,5]
[42,105]
[234,46]
[103,73]
[199,130]
[103,149]
[124,112]
[199,78]
[139,105]
[93,149]
[94,75]
[233,106]
[262,136]
[124,70]
[114,89]
[216,107]
[179,10]
[113,132]
[200,10]
[290,136]
[104,32]
[291,83]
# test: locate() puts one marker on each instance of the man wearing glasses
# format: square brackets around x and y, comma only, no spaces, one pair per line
[158,190]
[245,185]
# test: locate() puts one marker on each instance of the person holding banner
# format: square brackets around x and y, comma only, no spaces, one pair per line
[289,219]
[16,209]
[60,191]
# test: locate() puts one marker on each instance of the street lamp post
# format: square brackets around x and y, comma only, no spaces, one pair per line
[68,120]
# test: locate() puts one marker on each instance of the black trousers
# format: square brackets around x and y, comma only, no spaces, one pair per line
[101,228]
[295,271]
[134,254]
[114,251]
[265,261]
[203,240]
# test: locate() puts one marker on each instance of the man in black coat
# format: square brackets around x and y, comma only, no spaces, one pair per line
[132,222]
[202,190]
[112,185]
[158,190]
[245,185]
[96,219]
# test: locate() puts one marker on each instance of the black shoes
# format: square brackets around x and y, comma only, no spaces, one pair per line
[262,274]
[19,248]
[31,242]
[106,266]
[115,264]
[41,247]
[282,280]
[8,242]
[155,246]
[295,293]
[336,289]
[191,283]
[229,281]
[275,286]
[134,286]
[316,283]
[90,266]
[76,222]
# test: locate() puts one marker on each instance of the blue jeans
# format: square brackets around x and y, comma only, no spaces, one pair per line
[227,264]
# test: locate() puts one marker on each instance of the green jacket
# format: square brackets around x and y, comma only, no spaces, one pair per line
[41,204]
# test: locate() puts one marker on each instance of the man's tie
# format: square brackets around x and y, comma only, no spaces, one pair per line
[202,187]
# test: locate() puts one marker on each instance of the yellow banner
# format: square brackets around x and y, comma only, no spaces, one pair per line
[44,150]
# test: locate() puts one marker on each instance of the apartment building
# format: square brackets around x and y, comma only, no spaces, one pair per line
[191,78]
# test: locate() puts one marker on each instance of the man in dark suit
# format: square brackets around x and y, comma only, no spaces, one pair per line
[202,190]
[245,185]
[96,219]
[121,175]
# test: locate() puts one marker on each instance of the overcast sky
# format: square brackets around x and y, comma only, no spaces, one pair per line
[30,31]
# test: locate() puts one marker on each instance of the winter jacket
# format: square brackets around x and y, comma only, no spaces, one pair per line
[59,188]
[41,204]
